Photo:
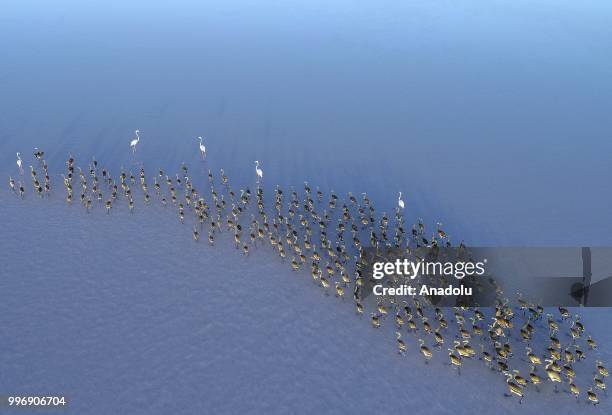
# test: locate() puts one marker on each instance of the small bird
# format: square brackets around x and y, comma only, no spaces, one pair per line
[12,183]
[202,149]
[19,163]
[592,397]
[38,154]
[135,141]
[400,202]
[258,171]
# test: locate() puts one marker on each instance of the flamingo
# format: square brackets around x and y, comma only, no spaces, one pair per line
[202,149]
[258,171]
[19,163]
[135,141]
[38,153]
[400,202]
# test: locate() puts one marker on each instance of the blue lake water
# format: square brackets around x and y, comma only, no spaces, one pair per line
[492,117]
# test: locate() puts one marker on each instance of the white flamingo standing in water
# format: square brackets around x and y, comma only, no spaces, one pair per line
[202,149]
[400,202]
[258,171]
[135,141]
[19,163]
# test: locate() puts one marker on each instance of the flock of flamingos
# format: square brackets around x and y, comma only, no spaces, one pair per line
[534,350]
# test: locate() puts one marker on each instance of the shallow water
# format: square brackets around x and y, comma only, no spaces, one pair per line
[124,313]
[491,118]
